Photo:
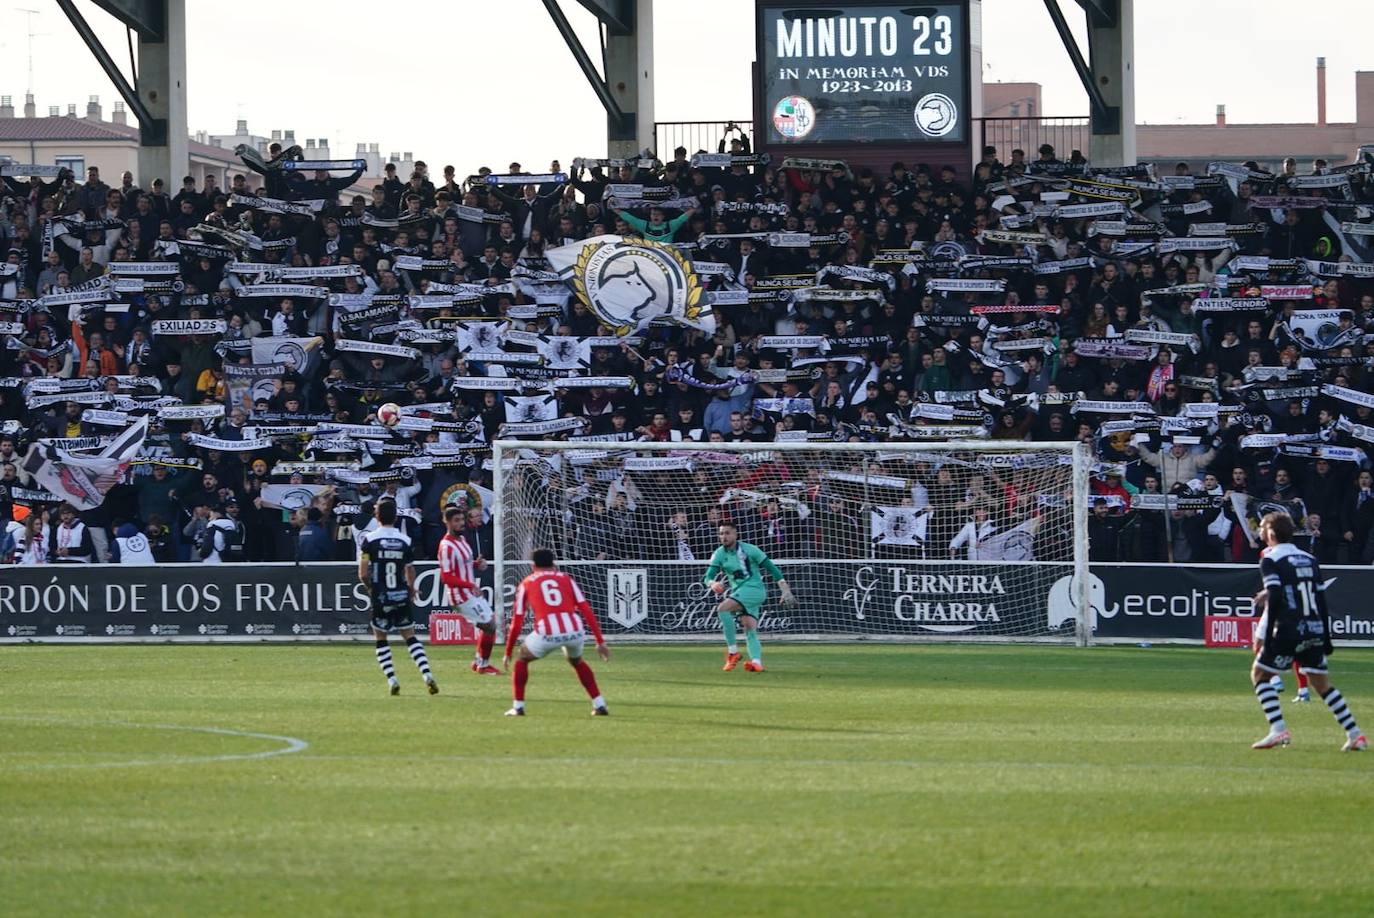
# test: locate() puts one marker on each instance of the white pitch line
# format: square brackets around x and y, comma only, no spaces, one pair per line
[917,764]
[291,745]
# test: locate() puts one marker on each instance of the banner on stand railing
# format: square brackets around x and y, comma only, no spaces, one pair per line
[1172,602]
[875,599]
[195,602]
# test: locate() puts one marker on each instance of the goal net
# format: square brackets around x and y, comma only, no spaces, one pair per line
[909,541]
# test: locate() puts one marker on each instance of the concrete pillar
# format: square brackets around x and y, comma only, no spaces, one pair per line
[162,87]
[630,76]
[644,38]
[975,90]
[1112,59]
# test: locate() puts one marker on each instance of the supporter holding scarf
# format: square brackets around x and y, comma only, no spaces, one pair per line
[1160,374]
[658,228]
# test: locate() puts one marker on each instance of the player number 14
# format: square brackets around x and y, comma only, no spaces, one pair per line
[1308,591]
[944,41]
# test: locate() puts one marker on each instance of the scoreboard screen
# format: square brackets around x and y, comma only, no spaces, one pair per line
[863,73]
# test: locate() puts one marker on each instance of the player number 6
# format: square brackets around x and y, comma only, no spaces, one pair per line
[553,596]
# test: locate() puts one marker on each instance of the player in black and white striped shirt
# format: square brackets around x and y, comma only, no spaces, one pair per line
[1296,628]
[386,566]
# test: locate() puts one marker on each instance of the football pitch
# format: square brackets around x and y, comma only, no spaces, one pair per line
[966,780]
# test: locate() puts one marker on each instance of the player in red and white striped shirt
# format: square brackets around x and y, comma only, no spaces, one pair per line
[458,573]
[562,616]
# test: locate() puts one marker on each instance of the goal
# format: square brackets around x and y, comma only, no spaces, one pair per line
[983,540]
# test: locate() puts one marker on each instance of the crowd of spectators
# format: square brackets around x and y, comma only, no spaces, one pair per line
[1099,330]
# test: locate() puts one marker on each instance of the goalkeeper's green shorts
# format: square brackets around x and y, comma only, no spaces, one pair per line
[750,596]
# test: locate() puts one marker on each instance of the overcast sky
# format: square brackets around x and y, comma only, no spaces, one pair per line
[496,82]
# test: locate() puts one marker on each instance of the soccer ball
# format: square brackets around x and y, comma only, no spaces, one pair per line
[389,414]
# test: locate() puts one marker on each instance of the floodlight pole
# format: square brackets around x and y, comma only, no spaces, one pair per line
[1108,74]
[626,91]
[157,97]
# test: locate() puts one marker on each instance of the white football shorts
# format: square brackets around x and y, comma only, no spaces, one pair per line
[476,609]
[541,645]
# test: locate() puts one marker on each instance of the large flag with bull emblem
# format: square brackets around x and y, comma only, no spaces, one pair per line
[899,525]
[630,282]
[531,408]
[1250,510]
[83,479]
[1320,329]
[300,354]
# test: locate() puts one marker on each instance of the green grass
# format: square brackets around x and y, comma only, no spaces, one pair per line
[846,780]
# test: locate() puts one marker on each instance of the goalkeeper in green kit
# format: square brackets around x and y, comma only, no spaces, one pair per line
[736,574]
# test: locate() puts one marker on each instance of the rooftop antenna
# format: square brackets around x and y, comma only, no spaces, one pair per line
[29,14]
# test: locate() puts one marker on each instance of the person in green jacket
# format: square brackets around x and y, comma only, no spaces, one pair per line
[936,377]
[736,573]
[657,228]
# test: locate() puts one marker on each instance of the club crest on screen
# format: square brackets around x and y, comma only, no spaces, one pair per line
[936,114]
[794,117]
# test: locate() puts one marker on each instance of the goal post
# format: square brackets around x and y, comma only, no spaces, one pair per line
[967,541]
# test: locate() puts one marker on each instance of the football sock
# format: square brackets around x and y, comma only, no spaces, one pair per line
[1336,702]
[520,675]
[1269,701]
[384,660]
[751,637]
[417,653]
[1302,677]
[485,642]
[587,678]
[727,625]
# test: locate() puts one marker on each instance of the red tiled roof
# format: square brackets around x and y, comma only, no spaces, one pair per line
[64,128]
[213,152]
[67,128]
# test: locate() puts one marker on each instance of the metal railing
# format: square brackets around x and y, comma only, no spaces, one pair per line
[694,135]
[1007,134]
